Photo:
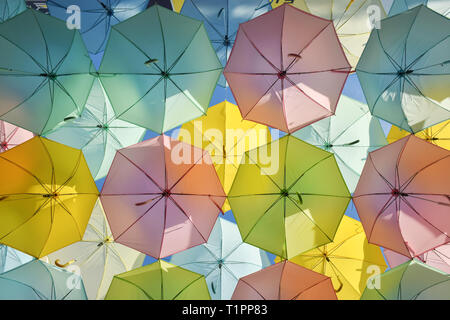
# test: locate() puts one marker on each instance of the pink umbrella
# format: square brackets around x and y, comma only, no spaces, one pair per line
[284,281]
[438,258]
[403,196]
[11,136]
[287,69]
[162,196]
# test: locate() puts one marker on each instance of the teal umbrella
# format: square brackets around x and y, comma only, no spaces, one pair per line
[37,280]
[11,258]
[350,134]
[412,280]
[159,69]
[440,6]
[11,8]
[223,260]
[44,71]
[405,69]
[97,132]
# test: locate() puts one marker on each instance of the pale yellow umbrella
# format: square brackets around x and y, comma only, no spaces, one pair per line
[438,134]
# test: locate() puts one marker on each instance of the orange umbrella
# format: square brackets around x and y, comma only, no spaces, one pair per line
[284,281]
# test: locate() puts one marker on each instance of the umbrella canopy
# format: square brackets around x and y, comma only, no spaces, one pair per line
[350,134]
[351,18]
[222,19]
[412,280]
[438,135]
[347,260]
[284,281]
[154,201]
[159,69]
[38,280]
[405,69]
[277,202]
[48,199]
[283,78]
[226,136]
[98,256]
[11,258]
[11,136]
[403,198]
[440,6]
[97,132]
[97,17]
[11,8]
[223,260]
[158,281]
[44,76]
[438,258]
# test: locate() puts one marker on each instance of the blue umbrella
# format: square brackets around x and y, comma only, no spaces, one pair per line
[11,258]
[222,19]
[440,6]
[11,8]
[97,17]
[223,260]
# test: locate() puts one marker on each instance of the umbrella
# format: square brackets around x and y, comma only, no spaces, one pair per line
[48,198]
[44,71]
[222,260]
[37,280]
[177,5]
[349,260]
[438,134]
[11,136]
[440,6]
[405,69]
[97,256]
[438,258]
[222,19]
[353,20]
[11,258]
[159,69]
[153,199]
[284,281]
[403,196]
[96,17]
[158,281]
[11,8]
[412,280]
[226,136]
[277,202]
[97,132]
[284,78]
[350,134]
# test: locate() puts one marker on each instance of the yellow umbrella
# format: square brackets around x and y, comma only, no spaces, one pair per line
[353,20]
[226,136]
[177,5]
[46,196]
[438,134]
[349,260]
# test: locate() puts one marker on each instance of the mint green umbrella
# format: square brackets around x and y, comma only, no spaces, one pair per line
[405,69]
[440,6]
[38,280]
[44,71]
[11,8]
[412,280]
[97,132]
[159,69]
[11,258]
[350,134]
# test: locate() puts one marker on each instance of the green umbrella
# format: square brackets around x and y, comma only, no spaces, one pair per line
[38,280]
[97,132]
[158,281]
[405,69]
[11,8]
[350,134]
[278,203]
[412,280]
[44,71]
[159,69]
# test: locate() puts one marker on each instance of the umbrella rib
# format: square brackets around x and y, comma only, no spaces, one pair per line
[187,286]
[410,179]
[38,293]
[254,289]
[184,50]
[187,171]
[310,287]
[429,287]
[388,203]
[195,103]
[261,170]
[390,59]
[163,39]
[47,52]
[310,168]
[28,172]
[423,54]
[388,184]
[257,50]
[136,286]
[21,49]
[206,19]
[140,169]
[257,102]
[74,171]
[67,93]
[62,205]
[163,234]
